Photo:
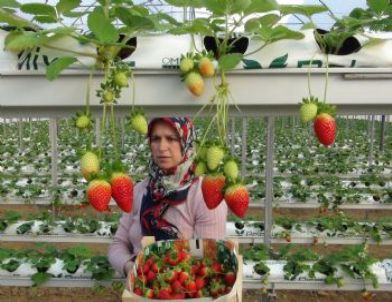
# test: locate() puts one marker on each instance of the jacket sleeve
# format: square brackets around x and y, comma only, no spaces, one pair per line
[209,224]
[121,250]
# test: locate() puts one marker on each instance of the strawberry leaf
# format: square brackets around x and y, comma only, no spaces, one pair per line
[102,28]
[57,66]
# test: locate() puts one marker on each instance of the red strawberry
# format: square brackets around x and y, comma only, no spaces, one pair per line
[178,296]
[217,267]
[212,188]
[150,276]
[230,278]
[138,291]
[183,277]
[325,128]
[237,199]
[176,286]
[164,294]
[200,283]
[191,286]
[149,293]
[99,194]
[122,191]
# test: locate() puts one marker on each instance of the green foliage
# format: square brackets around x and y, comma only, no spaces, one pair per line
[57,66]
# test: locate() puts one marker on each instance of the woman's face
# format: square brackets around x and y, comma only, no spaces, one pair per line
[165,146]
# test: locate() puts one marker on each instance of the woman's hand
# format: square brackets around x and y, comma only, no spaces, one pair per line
[128,269]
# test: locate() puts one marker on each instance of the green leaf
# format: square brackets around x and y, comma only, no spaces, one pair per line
[252,25]
[38,9]
[57,66]
[40,278]
[378,6]
[45,19]
[186,3]
[13,20]
[308,25]
[9,3]
[239,6]
[229,61]
[140,10]
[269,19]
[280,32]
[305,10]
[73,14]
[17,41]
[67,5]
[261,6]
[197,26]
[134,22]
[102,28]
[217,7]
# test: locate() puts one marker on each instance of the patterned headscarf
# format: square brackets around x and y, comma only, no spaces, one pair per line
[168,188]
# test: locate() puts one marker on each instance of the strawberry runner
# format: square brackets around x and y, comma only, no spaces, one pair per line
[168,188]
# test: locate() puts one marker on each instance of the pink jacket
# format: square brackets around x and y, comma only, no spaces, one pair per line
[192,218]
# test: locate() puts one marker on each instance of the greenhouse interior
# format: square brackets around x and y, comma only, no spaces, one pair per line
[210,150]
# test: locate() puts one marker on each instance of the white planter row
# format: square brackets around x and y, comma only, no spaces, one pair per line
[81,278]
[252,232]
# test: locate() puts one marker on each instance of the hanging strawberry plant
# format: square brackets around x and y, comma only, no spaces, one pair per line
[225,43]
[110,36]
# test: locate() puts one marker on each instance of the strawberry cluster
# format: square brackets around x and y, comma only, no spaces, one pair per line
[176,274]
[220,181]
[194,68]
[323,117]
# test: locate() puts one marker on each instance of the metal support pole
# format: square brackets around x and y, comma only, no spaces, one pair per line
[54,153]
[244,146]
[97,131]
[232,140]
[122,133]
[269,174]
[382,134]
[20,130]
[371,141]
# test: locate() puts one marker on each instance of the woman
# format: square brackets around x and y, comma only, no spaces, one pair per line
[169,203]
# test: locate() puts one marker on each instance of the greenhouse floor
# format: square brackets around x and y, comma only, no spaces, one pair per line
[15,294]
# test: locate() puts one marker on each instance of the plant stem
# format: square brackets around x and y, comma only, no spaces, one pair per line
[70,51]
[133,91]
[326,80]
[309,70]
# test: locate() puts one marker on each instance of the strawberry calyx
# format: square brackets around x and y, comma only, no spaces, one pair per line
[326,108]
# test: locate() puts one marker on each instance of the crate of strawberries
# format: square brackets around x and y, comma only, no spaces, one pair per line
[198,270]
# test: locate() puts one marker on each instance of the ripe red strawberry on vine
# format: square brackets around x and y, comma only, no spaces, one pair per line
[325,124]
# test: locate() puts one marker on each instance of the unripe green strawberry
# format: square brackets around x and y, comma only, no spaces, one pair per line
[108,96]
[230,169]
[206,67]
[237,199]
[195,83]
[308,110]
[121,79]
[83,122]
[186,64]
[99,194]
[201,168]
[139,123]
[89,164]
[214,156]
[201,152]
